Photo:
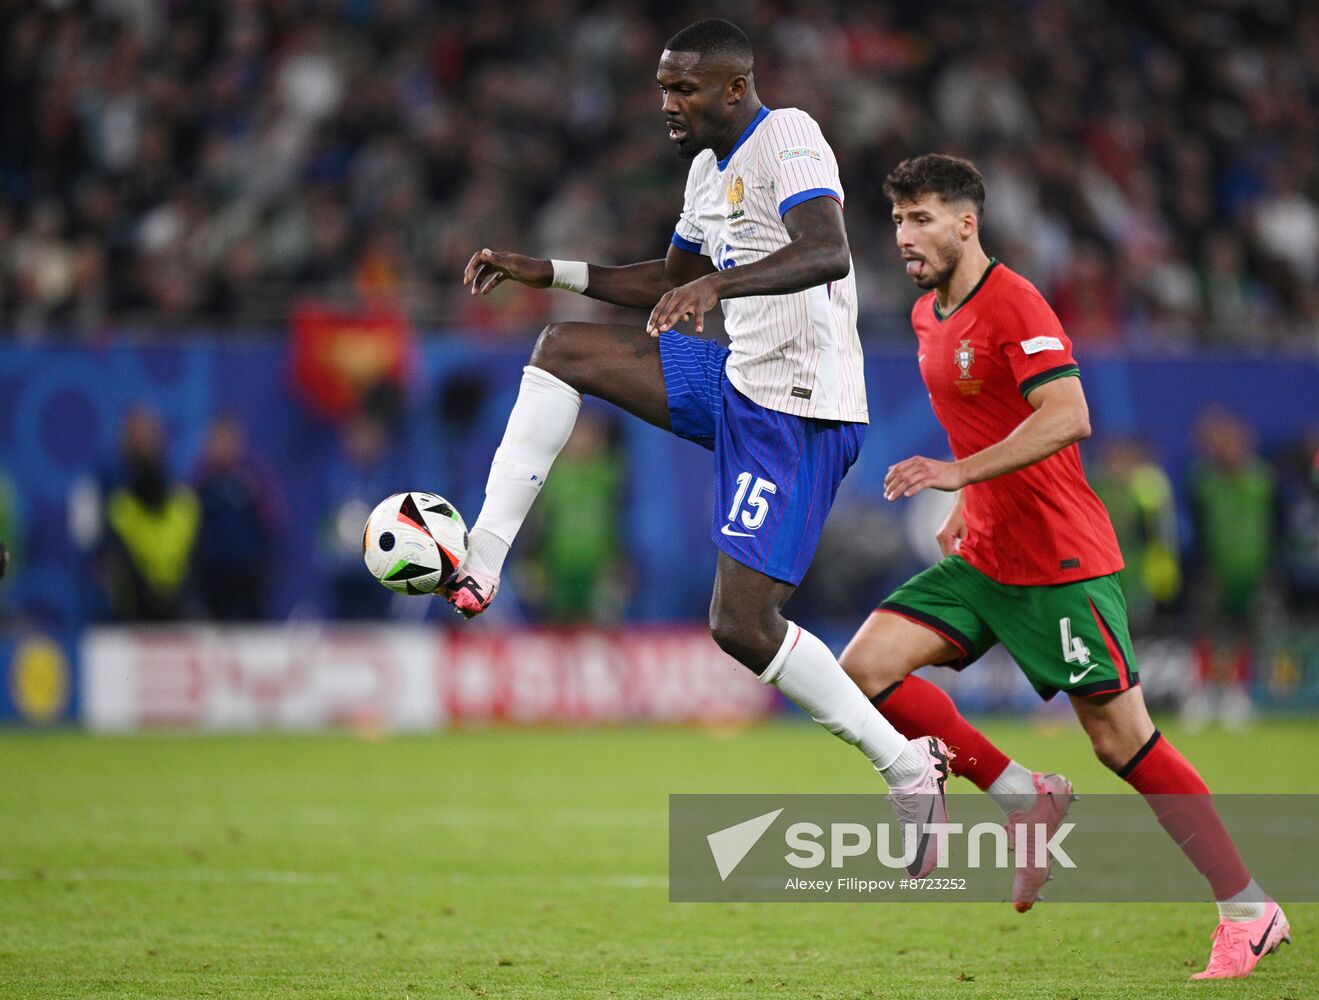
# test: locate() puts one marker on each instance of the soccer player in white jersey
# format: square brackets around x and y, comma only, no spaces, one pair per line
[761,233]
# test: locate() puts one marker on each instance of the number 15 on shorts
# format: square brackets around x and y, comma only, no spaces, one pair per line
[750,502]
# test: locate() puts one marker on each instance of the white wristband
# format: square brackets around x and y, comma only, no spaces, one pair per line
[570,275]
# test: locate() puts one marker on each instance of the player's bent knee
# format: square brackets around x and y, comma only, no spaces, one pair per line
[1110,750]
[557,353]
[870,672]
[726,637]
[857,665]
[752,646]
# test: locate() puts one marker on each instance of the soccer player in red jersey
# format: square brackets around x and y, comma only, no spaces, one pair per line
[1030,558]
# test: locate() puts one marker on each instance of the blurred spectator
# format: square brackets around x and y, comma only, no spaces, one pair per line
[42,266]
[1232,501]
[1139,498]
[1231,296]
[978,97]
[11,536]
[239,525]
[358,477]
[170,165]
[1286,226]
[1088,298]
[577,570]
[1298,509]
[150,531]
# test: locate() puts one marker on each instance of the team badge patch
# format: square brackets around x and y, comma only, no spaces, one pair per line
[736,192]
[964,357]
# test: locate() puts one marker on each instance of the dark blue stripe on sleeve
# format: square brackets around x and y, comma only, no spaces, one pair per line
[687,245]
[794,200]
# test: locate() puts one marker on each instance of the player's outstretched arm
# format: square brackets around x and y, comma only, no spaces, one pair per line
[638,286]
[1061,418]
[817,254]
[488,269]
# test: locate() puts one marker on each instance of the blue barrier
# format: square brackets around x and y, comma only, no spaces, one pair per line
[61,407]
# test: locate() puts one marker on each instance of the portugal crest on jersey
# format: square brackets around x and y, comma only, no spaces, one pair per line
[965,356]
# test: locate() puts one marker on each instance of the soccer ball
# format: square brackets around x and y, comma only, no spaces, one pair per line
[414,542]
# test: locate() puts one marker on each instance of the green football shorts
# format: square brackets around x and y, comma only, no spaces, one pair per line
[1069,637]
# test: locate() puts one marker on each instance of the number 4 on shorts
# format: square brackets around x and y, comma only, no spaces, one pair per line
[1074,650]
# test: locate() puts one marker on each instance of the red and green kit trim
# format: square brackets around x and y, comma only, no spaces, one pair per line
[1035,381]
[1069,637]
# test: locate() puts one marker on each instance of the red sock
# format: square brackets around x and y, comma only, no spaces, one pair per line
[1181,801]
[918,708]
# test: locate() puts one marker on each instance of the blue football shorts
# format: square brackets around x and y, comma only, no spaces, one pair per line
[776,474]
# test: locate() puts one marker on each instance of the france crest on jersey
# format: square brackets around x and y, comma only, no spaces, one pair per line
[796,353]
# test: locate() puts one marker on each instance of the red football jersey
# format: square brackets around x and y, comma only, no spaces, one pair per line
[1042,524]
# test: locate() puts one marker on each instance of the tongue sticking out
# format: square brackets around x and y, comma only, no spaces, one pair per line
[914,268]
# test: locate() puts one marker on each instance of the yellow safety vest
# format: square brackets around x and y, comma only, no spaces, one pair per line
[159,540]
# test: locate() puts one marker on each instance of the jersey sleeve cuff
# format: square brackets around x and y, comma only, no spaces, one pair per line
[1035,381]
[685,244]
[792,201]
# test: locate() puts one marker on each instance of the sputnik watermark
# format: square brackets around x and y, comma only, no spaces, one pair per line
[863,886]
[810,845]
[1034,845]
[821,848]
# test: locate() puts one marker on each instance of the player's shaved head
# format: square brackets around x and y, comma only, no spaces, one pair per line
[709,95]
[717,42]
[950,177]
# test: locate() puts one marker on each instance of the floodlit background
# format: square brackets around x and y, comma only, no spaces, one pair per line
[230,244]
[231,321]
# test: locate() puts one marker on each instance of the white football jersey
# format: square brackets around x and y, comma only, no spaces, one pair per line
[796,353]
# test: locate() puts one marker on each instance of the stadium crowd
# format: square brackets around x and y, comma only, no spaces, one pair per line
[168,166]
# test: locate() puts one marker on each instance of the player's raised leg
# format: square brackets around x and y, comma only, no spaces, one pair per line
[746,621]
[1124,738]
[617,363]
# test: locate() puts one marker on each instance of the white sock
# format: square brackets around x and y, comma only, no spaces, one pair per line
[1246,905]
[1014,789]
[805,671]
[538,428]
[486,552]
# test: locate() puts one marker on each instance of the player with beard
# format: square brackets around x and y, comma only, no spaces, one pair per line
[783,409]
[1030,558]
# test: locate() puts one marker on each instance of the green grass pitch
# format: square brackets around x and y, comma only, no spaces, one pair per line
[531,863]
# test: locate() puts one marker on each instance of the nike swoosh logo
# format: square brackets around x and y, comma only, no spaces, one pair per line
[1077,678]
[469,584]
[1257,948]
[915,865]
[737,534]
